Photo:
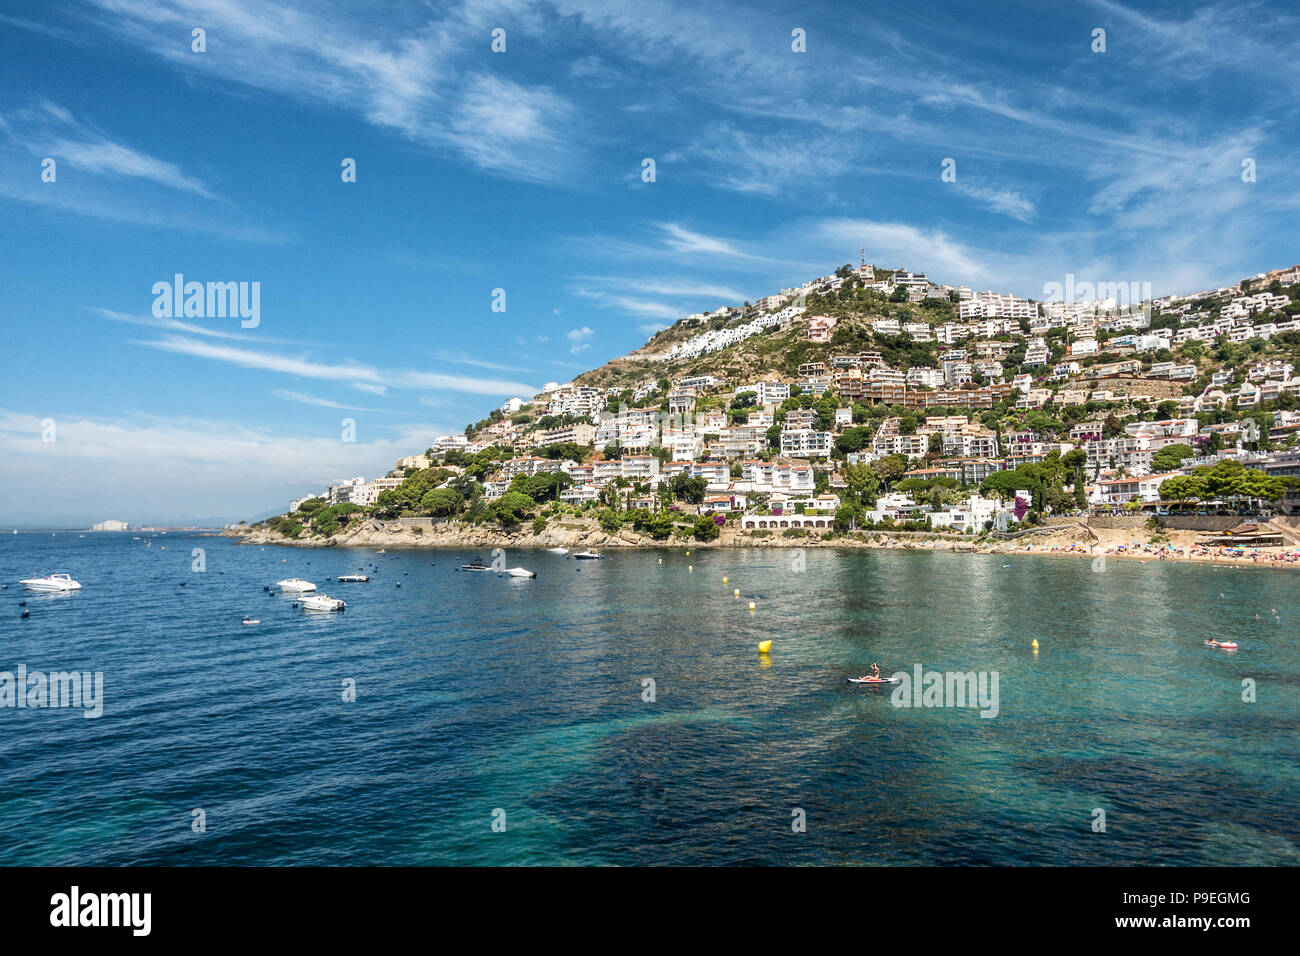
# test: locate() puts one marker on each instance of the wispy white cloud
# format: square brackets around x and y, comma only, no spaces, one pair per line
[768,164]
[415,75]
[97,175]
[51,130]
[632,306]
[303,398]
[940,253]
[676,286]
[169,325]
[577,338]
[459,359]
[1006,201]
[340,372]
[680,239]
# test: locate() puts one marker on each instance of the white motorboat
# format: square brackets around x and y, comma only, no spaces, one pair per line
[51,582]
[588,556]
[321,602]
[295,586]
[557,550]
[354,577]
[520,573]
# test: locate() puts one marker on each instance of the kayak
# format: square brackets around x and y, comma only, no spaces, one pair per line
[1226,645]
[873,680]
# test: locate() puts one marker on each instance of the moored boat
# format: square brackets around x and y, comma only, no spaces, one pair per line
[295,586]
[589,556]
[321,602]
[520,573]
[51,582]
[354,577]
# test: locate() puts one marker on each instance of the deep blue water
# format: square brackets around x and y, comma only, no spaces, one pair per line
[477,693]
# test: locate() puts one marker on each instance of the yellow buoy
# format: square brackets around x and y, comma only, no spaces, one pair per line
[724,580]
[751,605]
[690,567]
[1035,644]
[764,646]
[688,554]
[736,592]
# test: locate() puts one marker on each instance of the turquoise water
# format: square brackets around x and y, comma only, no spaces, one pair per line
[477,694]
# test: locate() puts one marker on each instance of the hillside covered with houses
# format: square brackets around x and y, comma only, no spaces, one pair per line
[877,398]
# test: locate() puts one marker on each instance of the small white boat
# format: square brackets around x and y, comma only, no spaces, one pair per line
[321,602]
[520,573]
[557,550]
[51,582]
[588,556]
[475,566]
[295,586]
[250,620]
[354,577]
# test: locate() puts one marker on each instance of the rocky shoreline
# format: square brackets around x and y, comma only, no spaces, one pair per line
[1077,540]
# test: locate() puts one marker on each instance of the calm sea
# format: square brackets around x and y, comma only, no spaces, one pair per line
[482,699]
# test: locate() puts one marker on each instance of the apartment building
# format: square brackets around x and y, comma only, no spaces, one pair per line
[913,446]
[778,475]
[767,393]
[806,443]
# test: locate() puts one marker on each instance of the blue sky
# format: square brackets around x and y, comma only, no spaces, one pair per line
[522,170]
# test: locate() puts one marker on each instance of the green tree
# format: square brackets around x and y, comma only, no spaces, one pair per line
[688,489]
[565,451]
[545,486]
[512,508]
[441,502]
[1171,457]
[889,469]
[864,485]
[854,439]
[848,515]
[329,520]
[705,528]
